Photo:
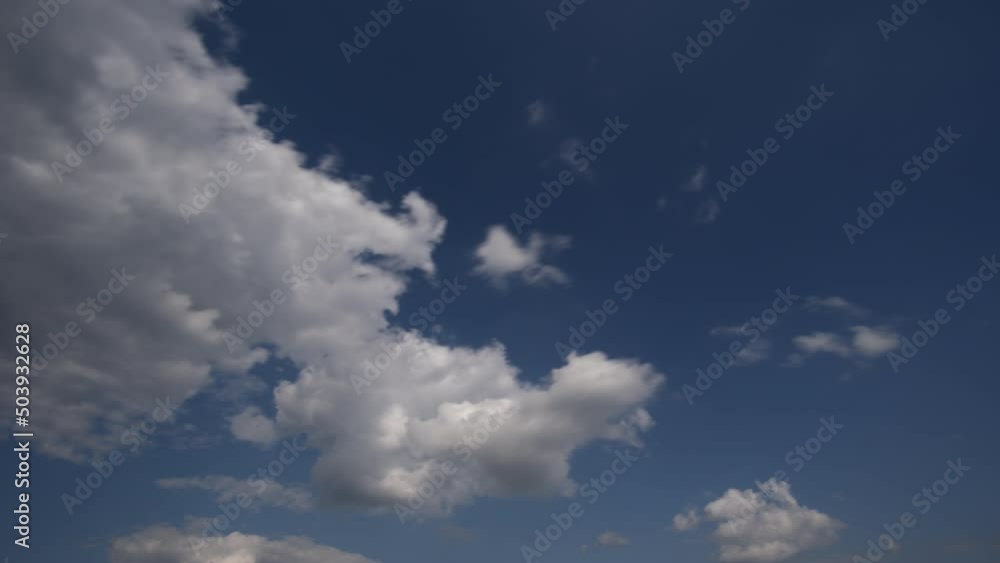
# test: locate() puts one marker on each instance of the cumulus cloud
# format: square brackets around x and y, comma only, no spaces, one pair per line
[117,211]
[501,257]
[228,489]
[161,544]
[686,521]
[767,525]
[378,448]
[198,277]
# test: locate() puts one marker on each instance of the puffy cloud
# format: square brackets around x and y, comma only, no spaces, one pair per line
[228,488]
[686,521]
[874,342]
[435,404]
[339,260]
[161,544]
[252,426]
[767,525]
[501,257]
[116,213]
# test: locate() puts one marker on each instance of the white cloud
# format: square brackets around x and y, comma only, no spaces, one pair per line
[163,337]
[438,397]
[873,342]
[501,257]
[822,342]
[767,525]
[686,521]
[866,342]
[611,539]
[228,488]
[161,544]
[252,426]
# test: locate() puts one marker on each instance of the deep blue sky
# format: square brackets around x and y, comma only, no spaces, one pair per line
[783,229]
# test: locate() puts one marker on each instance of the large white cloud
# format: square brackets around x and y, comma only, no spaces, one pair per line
[161,544]
[119,210]
[340,260]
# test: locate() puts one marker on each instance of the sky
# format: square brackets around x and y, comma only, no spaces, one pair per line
[536,281]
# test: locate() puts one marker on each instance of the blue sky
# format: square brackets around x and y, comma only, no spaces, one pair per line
[656,185]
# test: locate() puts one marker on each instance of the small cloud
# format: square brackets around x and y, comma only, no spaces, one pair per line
[501,257]
[822,342]
[873,342]
[686,521]
[611,539]
[696,182]
[867,342]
